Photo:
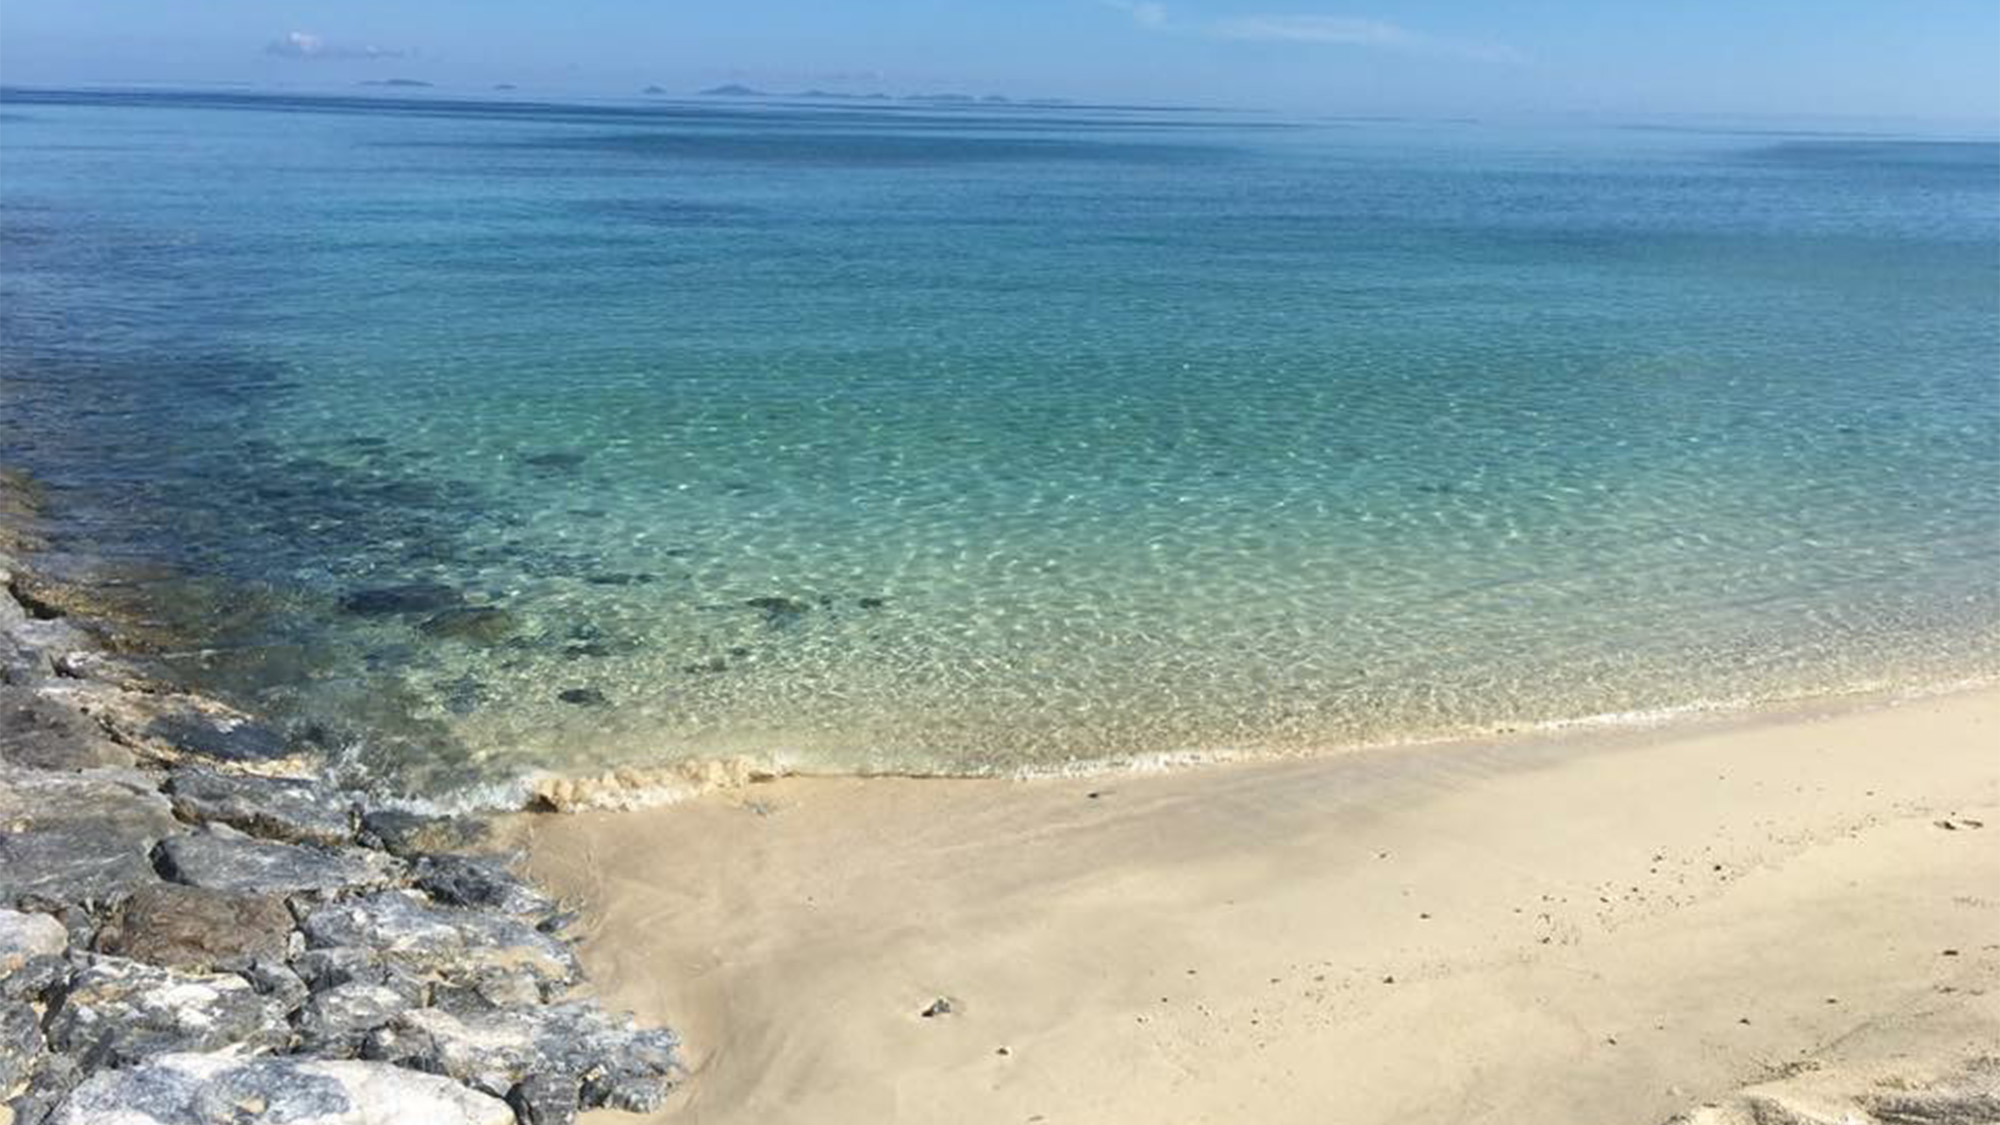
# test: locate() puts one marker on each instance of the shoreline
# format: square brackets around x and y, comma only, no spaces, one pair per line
[191,910]
[1550,927]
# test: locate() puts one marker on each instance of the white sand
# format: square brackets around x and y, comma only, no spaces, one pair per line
[1594,929]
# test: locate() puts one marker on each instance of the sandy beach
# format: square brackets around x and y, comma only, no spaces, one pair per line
[1600,927]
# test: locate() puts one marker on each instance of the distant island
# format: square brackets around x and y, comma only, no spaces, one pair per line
[395,82]
[504,86]
[653,91]
[734,90]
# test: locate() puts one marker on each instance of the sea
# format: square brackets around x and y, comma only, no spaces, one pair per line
[483,439]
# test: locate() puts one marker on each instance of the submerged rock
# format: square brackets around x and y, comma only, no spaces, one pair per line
[407,834]
[557,459]
[237,863]
[780,612]
[192,1089]
[408,597]
[120,1011]
[474,624]
[197,928]
[220,738]
[583,697]
[282,808]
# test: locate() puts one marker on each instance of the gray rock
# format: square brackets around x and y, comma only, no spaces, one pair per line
[24,937]
[408,834]
[336,1022]
[458,880]
[452,943]
[21,1045]
[43,733]
[119,1011]
[197,928]
[238,863]
[191,1089]
[54,1077]
[620,1066]
[282,808]
[279,982]
[546,1099]
[222,738]
[78,837]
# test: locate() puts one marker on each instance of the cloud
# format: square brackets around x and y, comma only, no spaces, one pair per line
[306,45]
[1145,13]
[1341,31]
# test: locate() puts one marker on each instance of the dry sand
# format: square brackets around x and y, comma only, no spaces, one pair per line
[1596,929]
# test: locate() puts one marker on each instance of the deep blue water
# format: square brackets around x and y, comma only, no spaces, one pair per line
[974,440]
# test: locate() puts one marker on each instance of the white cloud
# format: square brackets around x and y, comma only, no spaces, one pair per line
[1145,13]
[306,45]
[1342,31]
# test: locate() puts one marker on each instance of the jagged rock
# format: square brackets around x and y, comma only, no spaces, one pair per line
[546,1099]
[458,880]
[118,1011]
[39,644]
[197,928]
[336,1022]
[279,982]
[1903,1092]
[451,942]
[54,1077]
[24,937]
[42,733]
[619,1065]
[488,989]
[239,863]
[78,837]
[408,834]
[21,1045]
[282,808]
[188,1089]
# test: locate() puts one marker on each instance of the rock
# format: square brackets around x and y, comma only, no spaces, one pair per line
[21,1045]
[556,459]
[583,696]
[223,739]
[277,981]
[458,880]
[408,834]
[546,1099]
[622,1066]
[78,837]
[239,863]
[119,1011]
[780,612]
[42,733]
[282,808]
[325,969]
[409,597]
[197,928]
[451,942]
[24,937]
[189,1089]
[476,624]
[336,1022]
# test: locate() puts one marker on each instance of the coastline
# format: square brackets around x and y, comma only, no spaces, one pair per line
[195,919]
[1594,926]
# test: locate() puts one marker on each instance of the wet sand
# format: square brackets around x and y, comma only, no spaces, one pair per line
[1593,928]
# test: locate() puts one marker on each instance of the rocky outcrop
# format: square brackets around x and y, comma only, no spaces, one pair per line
[1898,1092]
[194,928]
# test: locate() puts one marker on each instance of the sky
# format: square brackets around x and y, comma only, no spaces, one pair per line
[1937,59]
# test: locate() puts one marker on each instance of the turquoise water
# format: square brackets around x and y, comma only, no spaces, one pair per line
[984,440]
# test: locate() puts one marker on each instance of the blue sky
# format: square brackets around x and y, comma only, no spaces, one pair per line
[1902,58]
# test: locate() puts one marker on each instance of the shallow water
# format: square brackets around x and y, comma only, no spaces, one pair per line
[982,440]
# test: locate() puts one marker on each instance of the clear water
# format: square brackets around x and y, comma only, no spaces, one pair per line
[979,440]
